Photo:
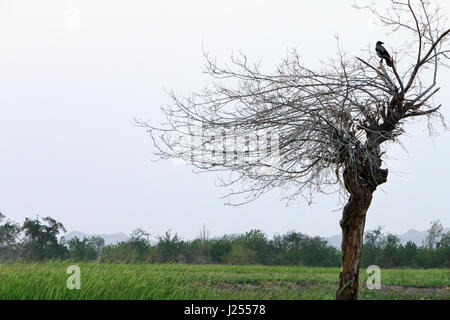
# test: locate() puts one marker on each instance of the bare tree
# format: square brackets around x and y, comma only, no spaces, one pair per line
[330,124]
[434,235]
[204,234]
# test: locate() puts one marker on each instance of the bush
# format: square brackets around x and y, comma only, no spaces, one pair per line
[171,248]
[83,250]
[219,250]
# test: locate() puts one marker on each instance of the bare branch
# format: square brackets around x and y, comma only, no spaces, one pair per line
[297,128]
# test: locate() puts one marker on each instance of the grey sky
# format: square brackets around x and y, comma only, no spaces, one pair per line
[73,74]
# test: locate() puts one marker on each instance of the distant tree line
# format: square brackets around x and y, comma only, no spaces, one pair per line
[387,251]
[39,240]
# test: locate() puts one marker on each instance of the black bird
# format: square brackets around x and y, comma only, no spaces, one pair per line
[383,54]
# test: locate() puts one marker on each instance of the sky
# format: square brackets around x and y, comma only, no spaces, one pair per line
[74,75]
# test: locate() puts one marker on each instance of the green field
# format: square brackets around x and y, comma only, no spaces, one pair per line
[174,281]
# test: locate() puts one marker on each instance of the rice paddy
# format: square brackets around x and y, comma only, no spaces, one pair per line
[48,281]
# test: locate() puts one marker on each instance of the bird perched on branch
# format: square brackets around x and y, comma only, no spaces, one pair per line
[383,54]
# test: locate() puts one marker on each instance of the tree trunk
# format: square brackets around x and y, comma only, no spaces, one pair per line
[352,225]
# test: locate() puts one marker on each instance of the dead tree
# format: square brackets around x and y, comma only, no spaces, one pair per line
[330,124]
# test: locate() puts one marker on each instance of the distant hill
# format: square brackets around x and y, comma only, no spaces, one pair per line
[109,238]
[335,241]
[412,235]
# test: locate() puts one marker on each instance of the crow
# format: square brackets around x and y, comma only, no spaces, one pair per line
[383,54]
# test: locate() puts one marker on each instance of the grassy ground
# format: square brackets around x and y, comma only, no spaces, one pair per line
[141,281]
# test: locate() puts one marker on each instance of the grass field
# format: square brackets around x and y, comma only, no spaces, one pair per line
[143,281]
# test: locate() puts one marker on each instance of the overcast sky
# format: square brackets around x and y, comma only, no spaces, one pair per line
[74,74]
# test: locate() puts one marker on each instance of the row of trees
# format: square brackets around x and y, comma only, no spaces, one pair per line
[387,251]
[38,240]
[253,247]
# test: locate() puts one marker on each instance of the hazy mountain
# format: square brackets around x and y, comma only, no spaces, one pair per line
[335,241]
[109,238]
[412,235]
